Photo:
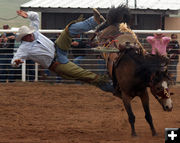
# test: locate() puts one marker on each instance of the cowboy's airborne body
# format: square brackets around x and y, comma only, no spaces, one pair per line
[40,49]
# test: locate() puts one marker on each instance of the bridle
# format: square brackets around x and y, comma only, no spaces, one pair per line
[161,94]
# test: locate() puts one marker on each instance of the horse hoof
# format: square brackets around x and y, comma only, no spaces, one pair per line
[134,135]
[154,134]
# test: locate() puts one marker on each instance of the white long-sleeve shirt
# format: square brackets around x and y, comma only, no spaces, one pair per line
[41,50]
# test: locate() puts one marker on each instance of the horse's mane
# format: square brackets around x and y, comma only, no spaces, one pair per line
[148,64]
[153,64]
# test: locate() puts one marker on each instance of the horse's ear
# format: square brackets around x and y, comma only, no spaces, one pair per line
[166,73]
[169,76]
[165,59]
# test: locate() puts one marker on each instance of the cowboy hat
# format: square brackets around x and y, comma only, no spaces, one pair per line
[23,31]
[159,33]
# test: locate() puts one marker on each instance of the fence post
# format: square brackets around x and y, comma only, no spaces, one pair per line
[36,71]
[24,71]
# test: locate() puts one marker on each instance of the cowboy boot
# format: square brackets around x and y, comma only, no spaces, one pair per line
[104,83]
[98,17]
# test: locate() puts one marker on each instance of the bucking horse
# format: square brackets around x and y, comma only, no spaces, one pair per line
[132,69]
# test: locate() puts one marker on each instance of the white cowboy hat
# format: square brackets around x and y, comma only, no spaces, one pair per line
[159,33]
[23,31]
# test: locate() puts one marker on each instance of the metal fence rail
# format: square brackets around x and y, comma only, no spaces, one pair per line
[30,71]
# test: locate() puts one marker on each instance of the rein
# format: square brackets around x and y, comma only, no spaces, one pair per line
[152,88]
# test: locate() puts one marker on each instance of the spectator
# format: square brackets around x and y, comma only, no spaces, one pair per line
[173,51]
[6,54]
[158,43]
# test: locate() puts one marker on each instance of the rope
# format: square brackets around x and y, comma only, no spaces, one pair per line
[7,19]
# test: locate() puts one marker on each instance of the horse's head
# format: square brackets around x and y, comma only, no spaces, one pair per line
[160,80]
[159,86]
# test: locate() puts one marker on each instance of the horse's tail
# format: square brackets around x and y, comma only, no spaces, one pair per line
[118,15]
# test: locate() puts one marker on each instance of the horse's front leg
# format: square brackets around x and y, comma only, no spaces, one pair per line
[127,104]
[145,103]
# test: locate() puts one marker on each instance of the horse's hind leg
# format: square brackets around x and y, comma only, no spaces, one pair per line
[127,105]
[145,103]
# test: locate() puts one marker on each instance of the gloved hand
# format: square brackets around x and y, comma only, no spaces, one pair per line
[17,62]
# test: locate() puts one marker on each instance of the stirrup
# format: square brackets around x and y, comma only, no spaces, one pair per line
[106,49]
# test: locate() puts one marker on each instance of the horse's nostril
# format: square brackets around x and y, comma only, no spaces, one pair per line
[166,107]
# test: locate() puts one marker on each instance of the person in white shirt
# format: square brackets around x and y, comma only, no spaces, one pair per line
[40,49]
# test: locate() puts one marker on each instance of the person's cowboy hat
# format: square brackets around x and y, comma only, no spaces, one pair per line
[23,31]
[159,33]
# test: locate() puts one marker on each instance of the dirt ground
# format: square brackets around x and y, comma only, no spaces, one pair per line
[64,113]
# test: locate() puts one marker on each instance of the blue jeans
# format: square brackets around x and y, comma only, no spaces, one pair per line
[75,29]
[83,26]
[62,56]
[78,59]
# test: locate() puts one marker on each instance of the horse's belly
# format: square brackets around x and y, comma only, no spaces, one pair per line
[125,75]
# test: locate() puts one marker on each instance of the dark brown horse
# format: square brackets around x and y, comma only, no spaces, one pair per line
[133,71]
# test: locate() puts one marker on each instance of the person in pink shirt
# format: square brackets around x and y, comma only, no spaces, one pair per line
[159,43]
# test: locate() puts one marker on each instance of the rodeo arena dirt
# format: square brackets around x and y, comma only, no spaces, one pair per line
[70,113]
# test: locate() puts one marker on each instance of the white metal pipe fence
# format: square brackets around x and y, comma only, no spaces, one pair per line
[91,60]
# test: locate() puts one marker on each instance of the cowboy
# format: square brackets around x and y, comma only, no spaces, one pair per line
[40,49]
